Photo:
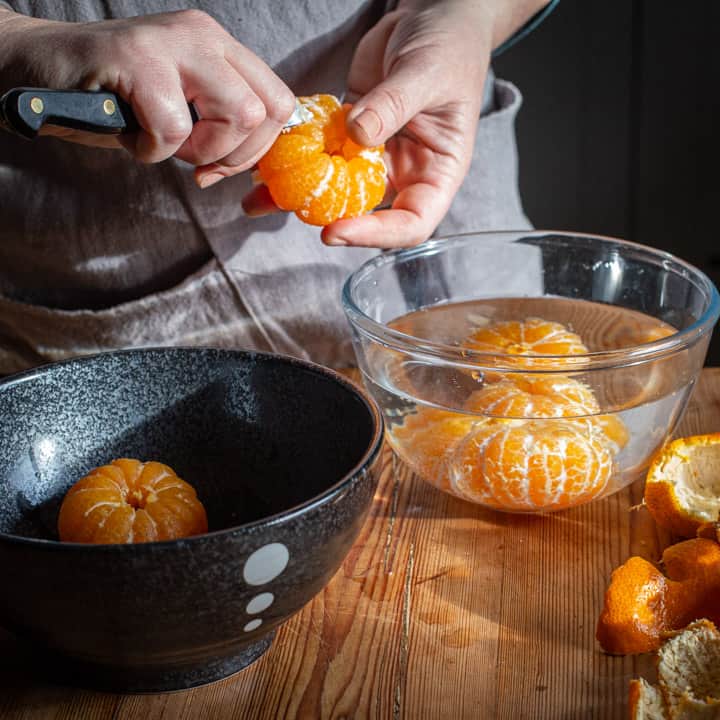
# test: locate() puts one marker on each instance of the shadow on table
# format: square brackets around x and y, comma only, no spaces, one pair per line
[423,500]
[524,589]
[533,579]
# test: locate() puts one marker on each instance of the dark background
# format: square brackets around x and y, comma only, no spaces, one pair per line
[619,132]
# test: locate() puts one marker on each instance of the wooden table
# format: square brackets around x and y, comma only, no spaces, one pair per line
[441,610]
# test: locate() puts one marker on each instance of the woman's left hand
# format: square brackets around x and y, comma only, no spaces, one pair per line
[419,74]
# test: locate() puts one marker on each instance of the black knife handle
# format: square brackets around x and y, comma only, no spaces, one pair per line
[26,110]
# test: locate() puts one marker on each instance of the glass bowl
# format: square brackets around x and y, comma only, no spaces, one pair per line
[530,371]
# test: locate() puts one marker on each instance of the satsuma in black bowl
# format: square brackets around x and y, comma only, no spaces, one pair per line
[281,452]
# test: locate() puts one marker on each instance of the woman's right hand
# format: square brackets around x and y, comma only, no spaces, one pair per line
[158,63]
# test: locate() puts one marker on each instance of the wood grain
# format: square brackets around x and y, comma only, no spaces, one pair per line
[440,610]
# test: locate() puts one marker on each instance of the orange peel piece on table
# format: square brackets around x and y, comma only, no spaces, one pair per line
[642,604]
[710,530]
[645,701]
[128,501]
[687,669]
[316,171]
[682,489]
[688,678]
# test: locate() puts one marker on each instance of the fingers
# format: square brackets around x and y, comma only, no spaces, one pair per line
[390,105]
[241,103]
[229,113]
[243,109]
[162,112]
[366,69]
[278,104]
[278,99]
[259,202]
[236,125]
[241,158]
[159,63]
[416,212]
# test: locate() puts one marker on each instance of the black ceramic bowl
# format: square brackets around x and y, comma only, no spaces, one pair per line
[281,453]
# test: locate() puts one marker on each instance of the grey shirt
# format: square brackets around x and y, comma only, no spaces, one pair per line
[98,251]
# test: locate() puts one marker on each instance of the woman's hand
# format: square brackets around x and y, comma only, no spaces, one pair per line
[158,63]
[417,81]
[419,74]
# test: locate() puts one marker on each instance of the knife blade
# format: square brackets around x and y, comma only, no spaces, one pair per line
[25,110]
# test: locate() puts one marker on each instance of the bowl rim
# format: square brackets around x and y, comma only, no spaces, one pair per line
[543,364]
[327,495]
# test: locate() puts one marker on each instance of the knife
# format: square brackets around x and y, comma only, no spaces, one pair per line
[25,110]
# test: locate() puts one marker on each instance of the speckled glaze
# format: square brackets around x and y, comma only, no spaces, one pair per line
[281,453]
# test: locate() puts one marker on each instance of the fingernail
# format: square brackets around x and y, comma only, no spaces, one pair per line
[207,180]
[369,122]
[336,242]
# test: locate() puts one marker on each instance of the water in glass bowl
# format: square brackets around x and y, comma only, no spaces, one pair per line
[528,439]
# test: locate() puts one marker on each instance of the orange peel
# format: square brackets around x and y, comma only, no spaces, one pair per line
[642,604]
[688,677]
[687,670]
[645,701]
[682,489]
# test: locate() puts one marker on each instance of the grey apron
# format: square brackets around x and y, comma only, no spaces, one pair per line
[99,252]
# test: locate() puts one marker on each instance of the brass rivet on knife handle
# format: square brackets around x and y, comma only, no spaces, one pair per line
[37,105]
[109,107]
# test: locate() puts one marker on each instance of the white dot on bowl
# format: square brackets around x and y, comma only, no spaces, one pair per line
[259,603]
[265,564]
[252,625]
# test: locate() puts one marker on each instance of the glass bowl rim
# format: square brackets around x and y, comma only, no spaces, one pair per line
[474,360]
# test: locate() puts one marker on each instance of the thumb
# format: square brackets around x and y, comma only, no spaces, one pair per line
[389,106]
